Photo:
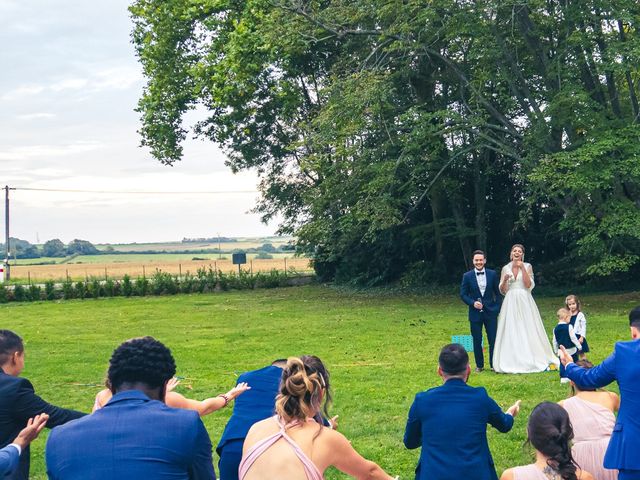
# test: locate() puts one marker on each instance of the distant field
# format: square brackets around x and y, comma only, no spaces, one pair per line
[116,266]
[173,246]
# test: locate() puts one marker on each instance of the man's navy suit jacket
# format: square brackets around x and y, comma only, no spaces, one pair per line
[131,438]
[470,292]
[18,403]
[253,405]
[450,422]
[623,366]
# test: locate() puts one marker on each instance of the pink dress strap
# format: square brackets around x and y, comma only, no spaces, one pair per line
[310,470]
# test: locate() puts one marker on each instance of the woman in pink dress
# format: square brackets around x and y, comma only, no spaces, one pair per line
[549,431]
[592,414]
[292,444]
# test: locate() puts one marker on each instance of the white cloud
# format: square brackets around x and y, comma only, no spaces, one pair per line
[45,151]
[36,116]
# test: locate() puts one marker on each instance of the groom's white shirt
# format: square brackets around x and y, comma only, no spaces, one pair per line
[482,280]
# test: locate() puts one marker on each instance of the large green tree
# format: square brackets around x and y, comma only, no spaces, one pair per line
[394,137]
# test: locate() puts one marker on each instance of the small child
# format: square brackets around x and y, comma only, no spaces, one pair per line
[578,322]
[564,335]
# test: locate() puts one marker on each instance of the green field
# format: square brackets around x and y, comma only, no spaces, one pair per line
[172,246]
[380,350]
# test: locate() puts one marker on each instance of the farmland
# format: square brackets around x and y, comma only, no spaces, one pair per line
[139,259]
[380,350]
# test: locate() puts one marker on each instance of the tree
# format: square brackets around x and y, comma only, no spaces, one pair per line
[21,248]
[392,138]
[53,248]
[81,247]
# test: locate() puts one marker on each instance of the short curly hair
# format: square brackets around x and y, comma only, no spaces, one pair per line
[144,360]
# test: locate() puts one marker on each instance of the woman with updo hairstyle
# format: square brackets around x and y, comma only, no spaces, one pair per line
[550,433]
[293,444]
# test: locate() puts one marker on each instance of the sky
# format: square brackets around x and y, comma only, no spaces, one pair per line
[69,84]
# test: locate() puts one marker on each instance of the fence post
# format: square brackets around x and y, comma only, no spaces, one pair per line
[285,266]
[144,273]
[251,266]
[105,274]
[29,277]
[216,264]
[67,271]
[180,270]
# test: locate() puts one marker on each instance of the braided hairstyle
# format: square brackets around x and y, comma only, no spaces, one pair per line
[144,360]
[304,386]
[550,432]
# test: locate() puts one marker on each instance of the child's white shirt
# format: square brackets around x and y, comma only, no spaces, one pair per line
[580,327]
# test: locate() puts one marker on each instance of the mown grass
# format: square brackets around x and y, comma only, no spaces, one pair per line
[380,351]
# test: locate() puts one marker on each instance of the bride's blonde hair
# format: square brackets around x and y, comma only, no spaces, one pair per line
[519,245]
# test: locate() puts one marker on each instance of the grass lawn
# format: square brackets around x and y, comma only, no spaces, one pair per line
[379,349]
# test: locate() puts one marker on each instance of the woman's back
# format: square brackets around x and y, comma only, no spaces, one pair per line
[293,446]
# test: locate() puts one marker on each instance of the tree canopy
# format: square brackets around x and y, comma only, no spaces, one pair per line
[393,138]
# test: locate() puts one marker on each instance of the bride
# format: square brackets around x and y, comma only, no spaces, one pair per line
[522,345]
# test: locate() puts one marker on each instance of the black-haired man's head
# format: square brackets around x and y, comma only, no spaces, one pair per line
[634,322]
[453,362]
[11,353]
[142,364]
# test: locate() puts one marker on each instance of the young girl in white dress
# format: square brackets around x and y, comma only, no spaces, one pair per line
[578,322]
[522,344]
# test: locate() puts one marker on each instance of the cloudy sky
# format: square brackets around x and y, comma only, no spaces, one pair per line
[68,87]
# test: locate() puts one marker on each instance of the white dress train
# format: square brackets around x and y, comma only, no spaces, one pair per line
[522,344]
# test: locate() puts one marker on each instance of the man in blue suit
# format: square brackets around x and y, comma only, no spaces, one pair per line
[480,291]
[623,366]
[250,407]
[135,435]
[450,423]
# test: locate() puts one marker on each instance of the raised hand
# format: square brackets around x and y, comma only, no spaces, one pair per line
[514,409]
[171,385]
[31,431]
[239,389]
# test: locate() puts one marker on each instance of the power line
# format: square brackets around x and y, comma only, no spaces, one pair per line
[123,192]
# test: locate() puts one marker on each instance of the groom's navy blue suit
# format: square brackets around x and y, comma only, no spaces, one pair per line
[491,302]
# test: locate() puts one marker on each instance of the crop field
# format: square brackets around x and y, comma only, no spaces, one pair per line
[241,243]
[116,266]
[380,348]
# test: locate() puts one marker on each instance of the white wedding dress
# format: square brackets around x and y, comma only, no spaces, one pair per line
[522,344]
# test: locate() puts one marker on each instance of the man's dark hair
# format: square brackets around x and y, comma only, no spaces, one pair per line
[9,344]
[144,360]
[478,252]
[453,359]
[634,317]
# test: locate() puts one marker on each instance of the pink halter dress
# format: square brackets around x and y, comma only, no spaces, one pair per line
[310,470]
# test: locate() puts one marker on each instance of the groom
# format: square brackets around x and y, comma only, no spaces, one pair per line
[480,290]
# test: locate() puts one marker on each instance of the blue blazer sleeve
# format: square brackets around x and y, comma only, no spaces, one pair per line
[9,460]
[201,467]
[596,377]
[497,418]
[465,291]
[413,430]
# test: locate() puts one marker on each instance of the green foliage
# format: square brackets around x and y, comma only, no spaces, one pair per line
[34,293]
[395,135]
[68,292]
[49,290]
[141,287]
[81,247]
[19,293]
[127,286]
[53,248]
[81,290]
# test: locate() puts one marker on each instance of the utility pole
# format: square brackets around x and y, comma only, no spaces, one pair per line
[7,274]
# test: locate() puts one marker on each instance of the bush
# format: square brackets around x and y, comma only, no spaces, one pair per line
[127,286]
[109,288]
[142,286]
[164,283]
[19,293]
[4,294]
[34,293]
[49,290]
[80,290]
[94,288]
[67,290]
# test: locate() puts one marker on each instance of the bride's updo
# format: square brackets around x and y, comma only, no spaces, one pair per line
[518,245]
[304,386]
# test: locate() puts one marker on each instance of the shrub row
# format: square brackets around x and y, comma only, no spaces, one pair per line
[160,283]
